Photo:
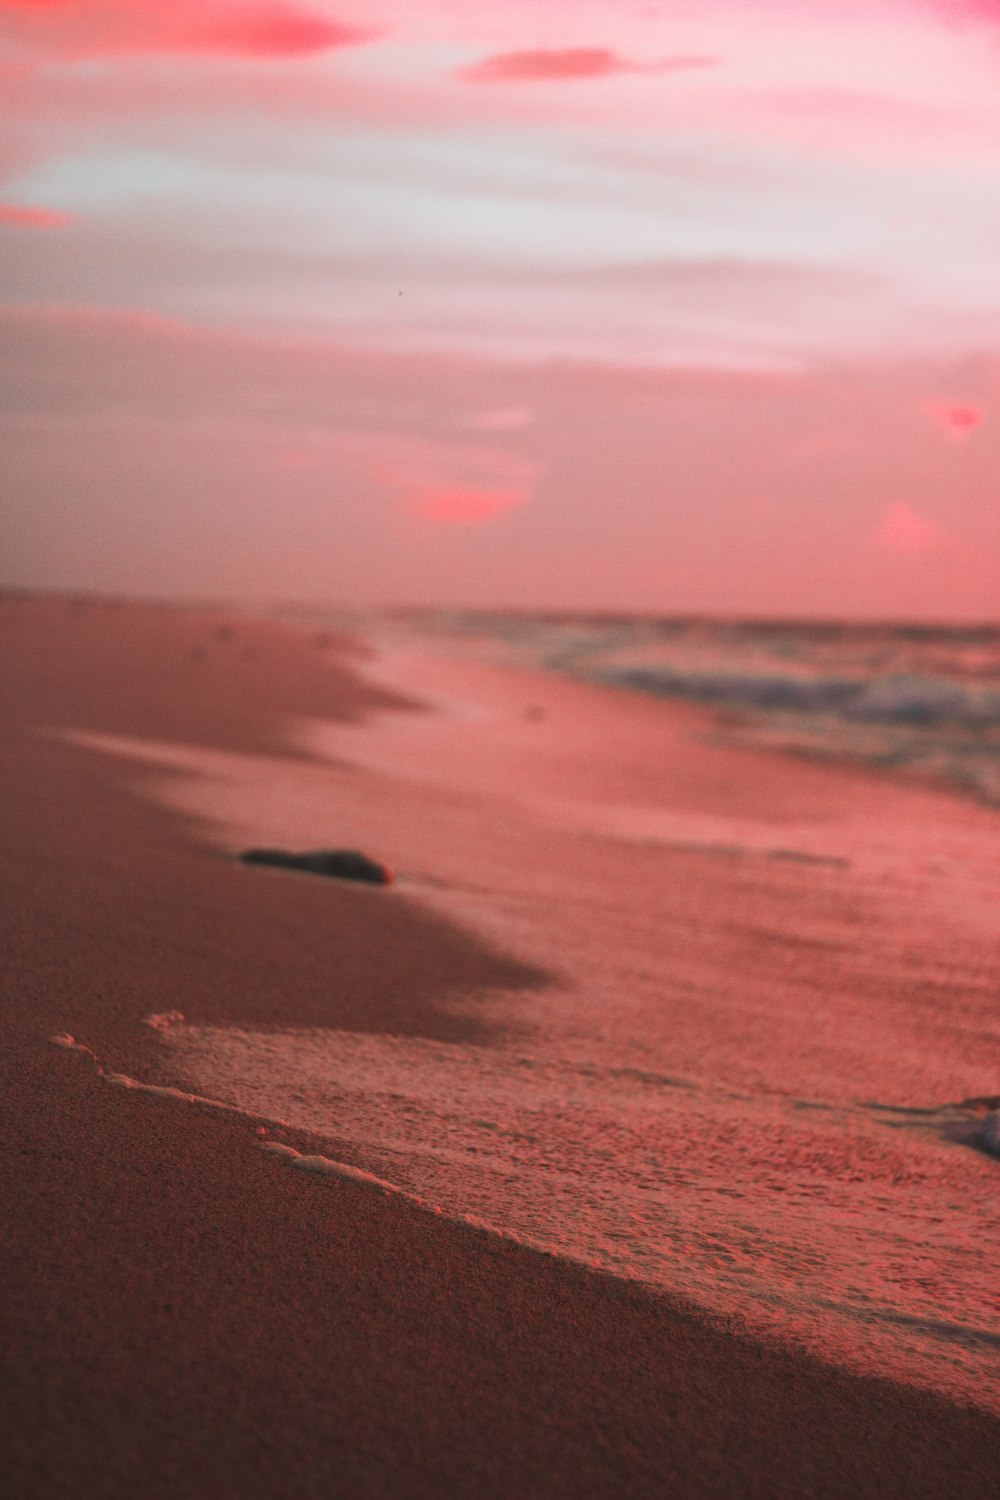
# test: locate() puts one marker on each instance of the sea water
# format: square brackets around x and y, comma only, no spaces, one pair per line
[912,698]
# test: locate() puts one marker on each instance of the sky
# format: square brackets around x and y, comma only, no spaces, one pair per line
[563,304]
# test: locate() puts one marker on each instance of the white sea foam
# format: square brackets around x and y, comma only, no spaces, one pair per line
[325,1166]
[315,1163]
[759,1208]
[158,1091]
[166,1091]
[160,1021]
[70,1044]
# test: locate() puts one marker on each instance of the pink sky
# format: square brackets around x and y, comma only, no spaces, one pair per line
[584,304]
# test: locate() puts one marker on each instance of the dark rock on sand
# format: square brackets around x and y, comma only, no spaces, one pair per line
[345,864]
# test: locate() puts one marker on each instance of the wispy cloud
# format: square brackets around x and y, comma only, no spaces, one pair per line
[904,530]
[546,65]
[25,216]
[958,419]
[278,34]
[248,28]
[464,507]
[452,484]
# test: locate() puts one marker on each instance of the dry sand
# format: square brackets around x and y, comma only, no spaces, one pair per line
[181,1317]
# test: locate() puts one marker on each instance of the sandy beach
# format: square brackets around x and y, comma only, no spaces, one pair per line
[183,1315]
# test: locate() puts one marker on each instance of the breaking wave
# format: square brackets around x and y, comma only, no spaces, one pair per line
[901,699]
[913,699]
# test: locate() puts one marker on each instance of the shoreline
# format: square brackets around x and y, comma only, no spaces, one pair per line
[184,1313]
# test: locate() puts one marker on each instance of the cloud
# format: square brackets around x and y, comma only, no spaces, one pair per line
[464,507]
[278,32]
[272,445]
[957,418]
[557,64]
[248,28]
[23,216]
[452,484]
[904,530]
[85,320]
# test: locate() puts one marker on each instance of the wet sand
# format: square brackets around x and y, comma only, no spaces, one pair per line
[182,1316]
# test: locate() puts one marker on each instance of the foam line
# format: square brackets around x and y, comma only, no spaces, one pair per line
[157,1090]
[320,1166]
[160,1091]
[325,1166]
[70,1043]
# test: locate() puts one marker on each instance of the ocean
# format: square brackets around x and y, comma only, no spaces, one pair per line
[914,699]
